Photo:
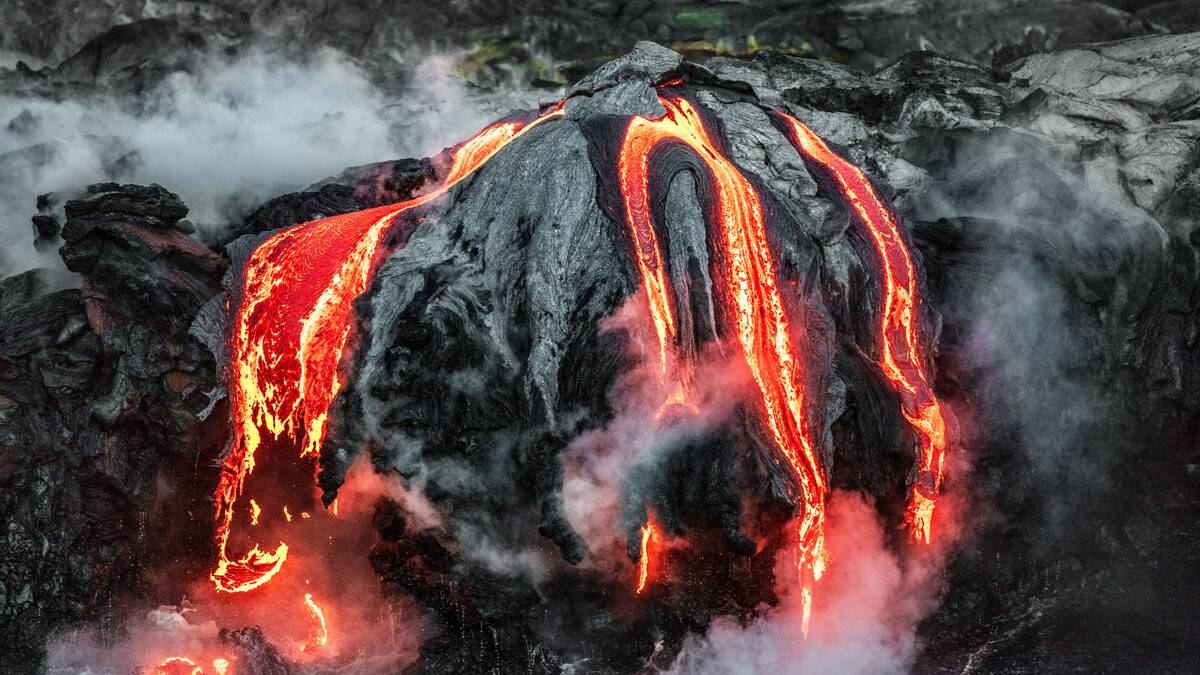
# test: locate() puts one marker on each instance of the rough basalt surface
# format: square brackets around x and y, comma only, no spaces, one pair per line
[1053,202]
[127,46]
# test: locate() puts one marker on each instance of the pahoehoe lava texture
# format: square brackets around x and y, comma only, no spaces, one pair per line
[1055,218]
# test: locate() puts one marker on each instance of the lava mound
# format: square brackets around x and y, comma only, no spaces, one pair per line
[646,274]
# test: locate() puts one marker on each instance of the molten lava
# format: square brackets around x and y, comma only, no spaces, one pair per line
[290,333]
[902,351]
[649,536]
[752,293]
[178,665]
[319,634]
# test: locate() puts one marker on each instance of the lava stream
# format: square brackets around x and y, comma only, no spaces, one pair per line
[319,635]
[649,536]
[291,330]
[903,354]
[752,292]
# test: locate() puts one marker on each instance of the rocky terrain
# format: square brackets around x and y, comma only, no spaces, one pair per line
[126,42]
[1051,187]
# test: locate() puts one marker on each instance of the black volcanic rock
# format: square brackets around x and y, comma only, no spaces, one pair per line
[357,188]
[126,45]
[105,405]
[254,653]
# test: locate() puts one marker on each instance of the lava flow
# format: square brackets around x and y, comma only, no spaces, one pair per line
[290,333]
[752,292]
[902,352]
[319,635]
[649,536]
[179,665]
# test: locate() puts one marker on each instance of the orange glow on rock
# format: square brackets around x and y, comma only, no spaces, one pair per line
[902,352]
[291,330]
[751,291]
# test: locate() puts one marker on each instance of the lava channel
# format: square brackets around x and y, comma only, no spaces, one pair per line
[290,333]
[760,321]
[902,351]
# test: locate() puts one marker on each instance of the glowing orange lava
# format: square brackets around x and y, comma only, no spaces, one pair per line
[903,355]
[649,536]
[290,333]
[752,293]
[319,634]
[178,665]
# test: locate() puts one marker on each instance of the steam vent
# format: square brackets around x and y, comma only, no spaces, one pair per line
[724,365]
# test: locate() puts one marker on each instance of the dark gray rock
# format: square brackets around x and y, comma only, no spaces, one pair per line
[101,394]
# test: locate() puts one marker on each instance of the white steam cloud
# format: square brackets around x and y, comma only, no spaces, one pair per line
[865,610]
[229,135]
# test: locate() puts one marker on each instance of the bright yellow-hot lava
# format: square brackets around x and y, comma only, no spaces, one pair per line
[318,634]
[752,293]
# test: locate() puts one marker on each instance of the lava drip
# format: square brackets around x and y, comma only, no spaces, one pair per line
[650,537]
[291,331]
[319,635]
[759,318]
[902,351]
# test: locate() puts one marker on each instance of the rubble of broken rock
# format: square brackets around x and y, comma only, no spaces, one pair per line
[1054,202]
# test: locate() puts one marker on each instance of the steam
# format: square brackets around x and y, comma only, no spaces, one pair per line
[867,605]
[165,630]
[865,611]
[229,135]
[1055,235]
[367,633]
[600,464]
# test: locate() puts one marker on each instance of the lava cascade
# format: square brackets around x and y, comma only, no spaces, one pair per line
[290,333]
[752,292]
[902,350]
